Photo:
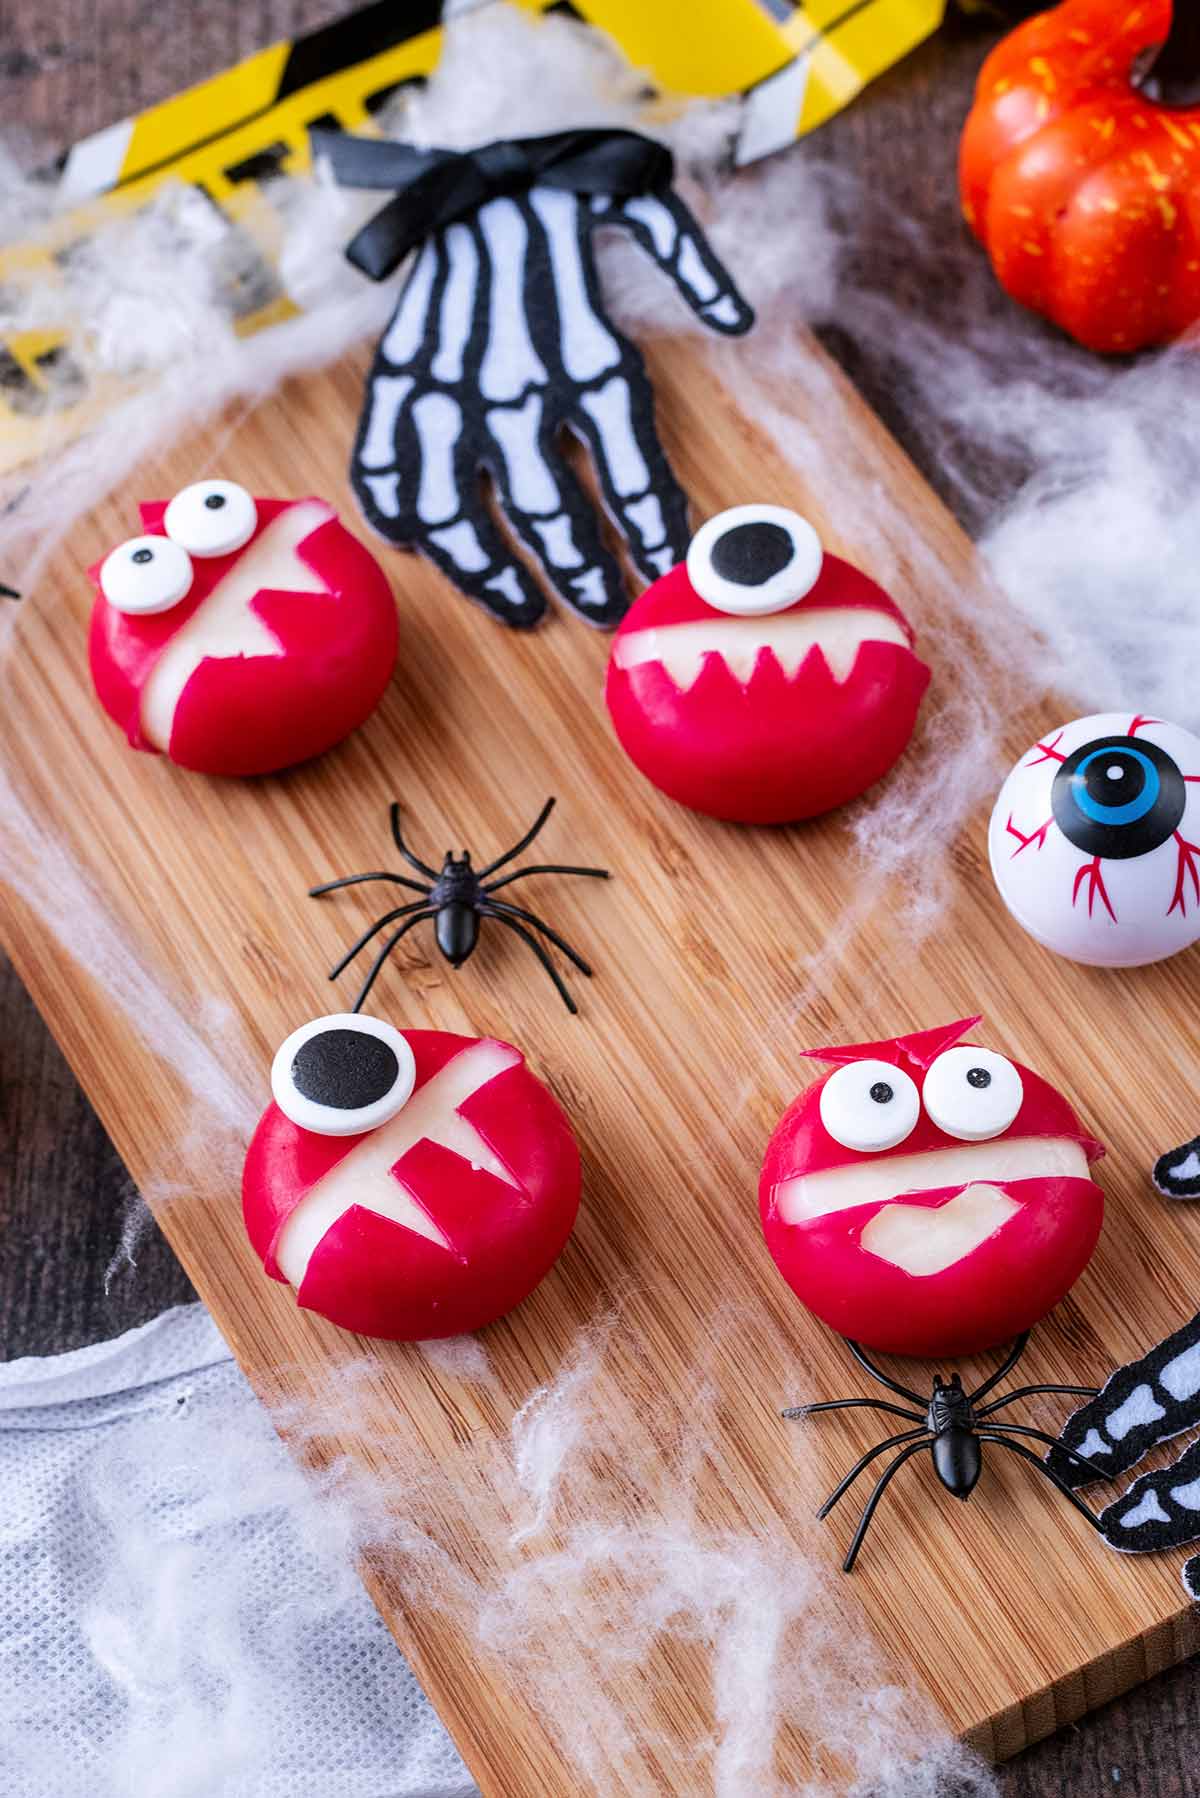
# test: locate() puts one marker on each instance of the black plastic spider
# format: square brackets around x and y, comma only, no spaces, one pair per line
[456,899]
[950,1429]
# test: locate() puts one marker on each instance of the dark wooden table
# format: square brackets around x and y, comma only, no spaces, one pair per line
[79,1259]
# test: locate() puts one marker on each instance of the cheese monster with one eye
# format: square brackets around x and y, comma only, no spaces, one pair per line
[240,635]
[763,680]
[930,1197]
[408,1183]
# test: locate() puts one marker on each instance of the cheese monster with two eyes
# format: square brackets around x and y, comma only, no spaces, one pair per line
[764,680]
[929,1196]
[239,635]
[408,1184]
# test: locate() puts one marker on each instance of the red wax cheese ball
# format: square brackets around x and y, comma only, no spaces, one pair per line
[436,1221]
[243,637]
[763,698]
[930,1197]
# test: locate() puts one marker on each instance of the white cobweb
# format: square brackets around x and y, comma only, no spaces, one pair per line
[1096,560]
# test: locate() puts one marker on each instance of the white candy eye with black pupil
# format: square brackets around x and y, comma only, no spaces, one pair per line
[752,560]
[211,518]
[146,575]
[343,1074]
[869,1106]
[972,1094]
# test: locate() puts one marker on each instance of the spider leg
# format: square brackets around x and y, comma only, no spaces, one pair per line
[1018,1448]
[369,982]
[389,917]
[877,1373]
[1024,1429]
[414,861]
[852,1404]
[497,906]
[1006,1366]
[510,854]
[864,1461]
[998,1404]
[494,886]
[872,1504]
[511,924]
[353,880]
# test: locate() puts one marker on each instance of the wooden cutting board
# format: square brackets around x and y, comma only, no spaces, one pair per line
[162,926]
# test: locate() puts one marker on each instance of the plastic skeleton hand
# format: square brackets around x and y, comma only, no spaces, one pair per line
[499,343]
[1144,1403]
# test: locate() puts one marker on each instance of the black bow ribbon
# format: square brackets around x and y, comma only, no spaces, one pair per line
[432,188]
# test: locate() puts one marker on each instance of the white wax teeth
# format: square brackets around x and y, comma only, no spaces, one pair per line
[1095,840]
[870,1106]
[343,1074]
[146,575]
[973,1094]
[751,560]
[211,518]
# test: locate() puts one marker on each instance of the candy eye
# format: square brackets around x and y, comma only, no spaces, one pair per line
[972,1094]
[870,1105]
[754,559]
[145,575]
[343,1074]
[1117,797]
[211,518]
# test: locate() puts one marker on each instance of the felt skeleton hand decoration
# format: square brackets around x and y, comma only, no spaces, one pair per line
[499,341]
[1177,1173]
[1145,1402]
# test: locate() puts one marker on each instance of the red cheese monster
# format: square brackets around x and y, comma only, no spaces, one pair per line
[409,1184]
[929,1197]
[762,680]
[240,635]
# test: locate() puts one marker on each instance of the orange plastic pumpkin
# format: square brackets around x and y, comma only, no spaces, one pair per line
[1080,168]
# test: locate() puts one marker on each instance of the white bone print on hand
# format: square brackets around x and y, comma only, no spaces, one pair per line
[368,1176]
[225,624]
[1146,1402]
[499,342]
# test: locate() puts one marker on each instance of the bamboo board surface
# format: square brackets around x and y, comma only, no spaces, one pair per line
[1006,1612]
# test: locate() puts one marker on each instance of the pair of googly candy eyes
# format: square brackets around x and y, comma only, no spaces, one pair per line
[1095,840]
[764,680]
[239,635]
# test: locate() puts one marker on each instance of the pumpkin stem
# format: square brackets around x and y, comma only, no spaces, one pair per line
[1169,74]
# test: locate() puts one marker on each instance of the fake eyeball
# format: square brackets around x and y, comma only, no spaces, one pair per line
[943,1238]
[242,636]
[438,1218]
[763,680]
[1095,840]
